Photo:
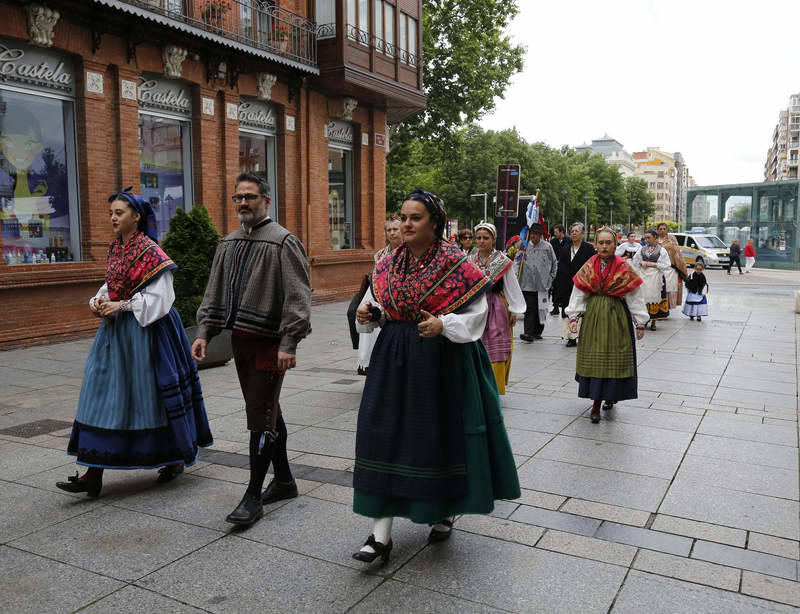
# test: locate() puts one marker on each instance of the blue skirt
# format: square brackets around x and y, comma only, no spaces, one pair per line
[141,404]
[696,305]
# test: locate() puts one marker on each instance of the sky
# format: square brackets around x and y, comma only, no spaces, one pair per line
[703,77]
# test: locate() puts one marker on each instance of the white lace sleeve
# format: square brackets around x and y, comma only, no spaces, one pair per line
[154,301]
[577,303]
[513,294]
[467,324]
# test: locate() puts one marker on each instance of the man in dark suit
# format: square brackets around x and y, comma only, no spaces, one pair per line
[558,241]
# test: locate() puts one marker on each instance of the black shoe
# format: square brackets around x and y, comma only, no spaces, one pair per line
[380,550]
[608,405]
[362,371]
[436,536]
[75,484]
[595,416]
[537,336]
[699,319]
[571,343]
[247,512]
[526,338]
[653,325]
[169,473]
[278,491]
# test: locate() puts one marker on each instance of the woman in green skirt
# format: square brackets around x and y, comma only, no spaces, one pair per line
[608,298]
[430,441]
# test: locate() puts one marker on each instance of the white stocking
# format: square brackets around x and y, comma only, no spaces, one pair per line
[382,530]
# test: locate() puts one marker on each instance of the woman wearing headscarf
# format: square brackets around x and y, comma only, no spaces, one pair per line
[141,405]
[608,299]
[366,341]
[675,275]
[430,441]
[651,263]
[506,303]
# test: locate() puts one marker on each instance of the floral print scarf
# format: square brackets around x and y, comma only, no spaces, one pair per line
[133,265]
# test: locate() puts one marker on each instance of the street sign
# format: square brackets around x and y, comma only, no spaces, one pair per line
[507,204]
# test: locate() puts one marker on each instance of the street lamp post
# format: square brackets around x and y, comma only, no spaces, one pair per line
[586,214]
[485,196]
[611,213]
[564,208]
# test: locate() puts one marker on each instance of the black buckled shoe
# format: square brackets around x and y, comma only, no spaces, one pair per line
[247,512]
[278,491]
[526,338]
[595,416]
[169,473]
[608,405]
[436,536]
[75,484]
[571,343]
[380,550]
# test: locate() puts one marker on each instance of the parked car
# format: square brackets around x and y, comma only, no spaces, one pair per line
[702,247]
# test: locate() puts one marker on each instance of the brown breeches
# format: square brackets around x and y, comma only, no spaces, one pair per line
[261,389]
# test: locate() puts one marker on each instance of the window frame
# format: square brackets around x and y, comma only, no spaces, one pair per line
[350,186]
[271,151]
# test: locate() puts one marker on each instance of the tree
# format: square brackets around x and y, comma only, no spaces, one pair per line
[740,213]
[640,201]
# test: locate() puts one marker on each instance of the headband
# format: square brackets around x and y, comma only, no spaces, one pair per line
[513,239]
[147,218]
[433,204]
[490,228]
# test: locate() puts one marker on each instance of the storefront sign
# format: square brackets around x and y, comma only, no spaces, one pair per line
[339,133]
[257,114]
[36,68]
[380,140]
[157,93]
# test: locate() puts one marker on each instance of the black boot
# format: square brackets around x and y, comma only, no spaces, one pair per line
[278,491]
[247,512]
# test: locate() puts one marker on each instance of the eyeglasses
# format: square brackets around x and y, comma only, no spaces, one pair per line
[467,237]
[237,198]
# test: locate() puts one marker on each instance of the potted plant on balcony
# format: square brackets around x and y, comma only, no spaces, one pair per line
[191,243]
[212,11]
[280,36]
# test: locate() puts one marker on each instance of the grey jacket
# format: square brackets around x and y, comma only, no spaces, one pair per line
[536,267]
[259,285]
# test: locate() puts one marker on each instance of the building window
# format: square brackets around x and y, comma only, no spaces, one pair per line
[257,147]
[408,40]
[165,166]
[652,185]
[358,21]
[340,198]
[384,27]
[660,185]
[38,179]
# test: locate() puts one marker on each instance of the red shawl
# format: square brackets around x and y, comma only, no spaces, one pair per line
[617,280]
[440,282]
[132,266]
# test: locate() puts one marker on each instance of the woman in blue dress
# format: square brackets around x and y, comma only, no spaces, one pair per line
[141,405]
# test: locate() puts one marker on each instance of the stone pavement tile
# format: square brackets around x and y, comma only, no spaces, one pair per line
[644,538]
[733,475]
[730,414]
[222,405]
[346,479]
[565,406]
[394,597]
[749,370]
[333,492]
[751,452]
[603,511]
[540,499]
[527,443]
[322,475]
[237,475]
[232,427]
[753,382]
[328,442]
[520,460]
[34,585]
[326,462]
[587,547]
[131,600]
[745,559]
[555,520]
[607,455]
[346,421]
[219,578]
[27,509]
[229,459]
[542,422]
[18,460]
[233,447]
[754,397]
[631,434]
[768,587]
[778,546]
[694,389]
[688,569]
[779,420]
[730,508]
[700,530]
[116,542]
[644,592]
[504,509]
[332,532]
[613,487]
[473,567]
[500,528]
[339,400]
[764,433]
[657,418]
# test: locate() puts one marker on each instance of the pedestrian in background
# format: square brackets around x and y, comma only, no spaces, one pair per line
[749,256]
[535,267]
[675,275]
[141,404]
[735,251]
[571,258]
[627,249]
[651,262]
[696,304]
[608,299]
[270,312]
[465,240]
[558,241]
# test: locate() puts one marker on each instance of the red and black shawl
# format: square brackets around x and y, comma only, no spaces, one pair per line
[130,267]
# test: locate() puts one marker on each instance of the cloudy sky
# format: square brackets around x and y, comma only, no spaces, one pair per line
[703,77]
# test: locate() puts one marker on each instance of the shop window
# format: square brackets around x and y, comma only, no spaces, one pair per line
[340,198]
[257,155]
[165,166]
[38,179]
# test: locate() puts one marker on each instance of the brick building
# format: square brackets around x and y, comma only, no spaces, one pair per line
[176,97]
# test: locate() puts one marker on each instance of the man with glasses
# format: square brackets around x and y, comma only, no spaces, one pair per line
[259,287]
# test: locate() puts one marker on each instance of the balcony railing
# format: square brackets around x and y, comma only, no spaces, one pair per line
[328,30]
[257,23]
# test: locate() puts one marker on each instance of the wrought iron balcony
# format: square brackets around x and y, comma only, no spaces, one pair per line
[328,30]
[256,23]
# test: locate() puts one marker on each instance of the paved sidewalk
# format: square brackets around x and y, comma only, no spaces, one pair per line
[685,500]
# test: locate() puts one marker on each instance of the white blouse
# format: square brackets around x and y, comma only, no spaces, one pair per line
[513,293]
[663,263]
[462,327]
[634,300]
[152,302]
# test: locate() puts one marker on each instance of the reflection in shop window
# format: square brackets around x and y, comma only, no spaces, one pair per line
[164,166]
[257,155]
[340,198]
[38,189]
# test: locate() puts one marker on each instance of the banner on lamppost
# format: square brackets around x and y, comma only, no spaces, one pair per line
[507,204]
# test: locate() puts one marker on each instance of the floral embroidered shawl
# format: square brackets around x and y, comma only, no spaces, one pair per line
[132,266]
[495,266]
[440,282]
[617,279]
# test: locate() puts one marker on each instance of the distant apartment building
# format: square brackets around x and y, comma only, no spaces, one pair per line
[667,177]
[614,153]
[782,157]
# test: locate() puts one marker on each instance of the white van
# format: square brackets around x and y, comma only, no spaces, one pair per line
[703,247]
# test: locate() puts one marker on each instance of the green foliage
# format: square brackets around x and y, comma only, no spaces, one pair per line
[640,201]
[191,243]
[740,213]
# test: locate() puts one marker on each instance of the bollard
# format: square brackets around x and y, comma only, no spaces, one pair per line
[797,301]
